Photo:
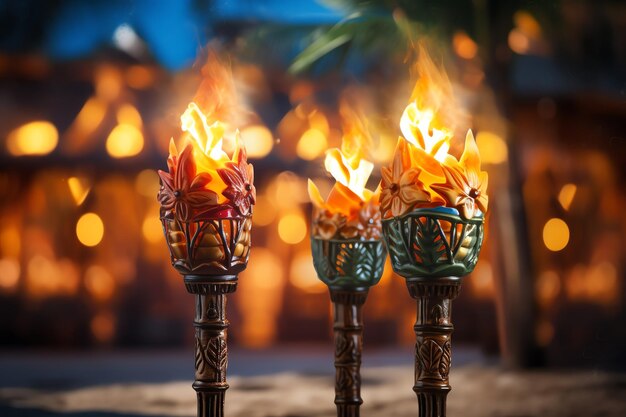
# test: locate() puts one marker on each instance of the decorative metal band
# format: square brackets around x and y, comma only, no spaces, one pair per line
[348,297]
[448,287]
[433,243]
[212,246]
[348,264]
[200,284]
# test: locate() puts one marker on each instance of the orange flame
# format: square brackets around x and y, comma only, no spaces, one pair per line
[207,124]
[348,167]
[423,173]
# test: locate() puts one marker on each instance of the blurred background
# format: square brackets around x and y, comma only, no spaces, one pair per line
[91,92]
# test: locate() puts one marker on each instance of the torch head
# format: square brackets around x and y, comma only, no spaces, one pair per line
[433,242]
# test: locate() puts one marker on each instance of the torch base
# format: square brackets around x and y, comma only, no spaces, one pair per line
[211,356]
[433,349]
[348,331]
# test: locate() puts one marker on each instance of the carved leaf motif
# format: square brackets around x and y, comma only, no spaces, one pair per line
[200,363]
[429,354]
[217,355]
[322,265]
[344,379]
[370,261]
[444,365]
[393,235]
[428,244]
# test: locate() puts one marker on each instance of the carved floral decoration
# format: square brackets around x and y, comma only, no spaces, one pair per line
[423,173]
[189,195]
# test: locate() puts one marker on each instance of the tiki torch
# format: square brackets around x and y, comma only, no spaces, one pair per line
[348,253]
[206,207]
[433,208]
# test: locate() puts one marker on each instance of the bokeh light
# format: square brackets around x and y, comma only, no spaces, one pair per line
[258,139]
[34,138]
[312,144]
[292,228]
[555,234]
[124,141]
[9,273]
[90,229]
[566,195]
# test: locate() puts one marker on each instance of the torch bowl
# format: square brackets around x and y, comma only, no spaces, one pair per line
[433,242]
[208,247]
[349,264]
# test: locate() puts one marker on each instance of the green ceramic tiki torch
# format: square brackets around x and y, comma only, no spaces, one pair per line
[348,253]
[433,208]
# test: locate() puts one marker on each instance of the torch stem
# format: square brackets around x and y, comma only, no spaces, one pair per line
[211,353]
[433,350]
[348,332]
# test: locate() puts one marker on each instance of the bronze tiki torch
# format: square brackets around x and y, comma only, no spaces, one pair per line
[206,207]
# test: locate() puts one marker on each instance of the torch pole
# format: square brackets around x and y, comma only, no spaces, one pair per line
[348,332]
[433,350]
[211,353]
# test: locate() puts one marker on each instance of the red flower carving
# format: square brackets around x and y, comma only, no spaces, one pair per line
[183,193]
[239,180]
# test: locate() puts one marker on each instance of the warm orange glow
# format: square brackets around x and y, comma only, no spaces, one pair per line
[518,42]
[10,242]
[544,333]
[125,140]
[147,183]
[140,77]
[312,144]
[265,212]
[103,327]
[261,290]
[89,229]
[258,139]
[108,80]
[481,281]
[464,46]
[292,228]
[79,188]
[302,274]
[547,288]
[99,282]
[598,283]
[566,195]
[9,274]
[34,138]
[383,152]
[129,115]
[46,277]
[527,24]
[89,118]
[493,149]
[555,234]
[152,229]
